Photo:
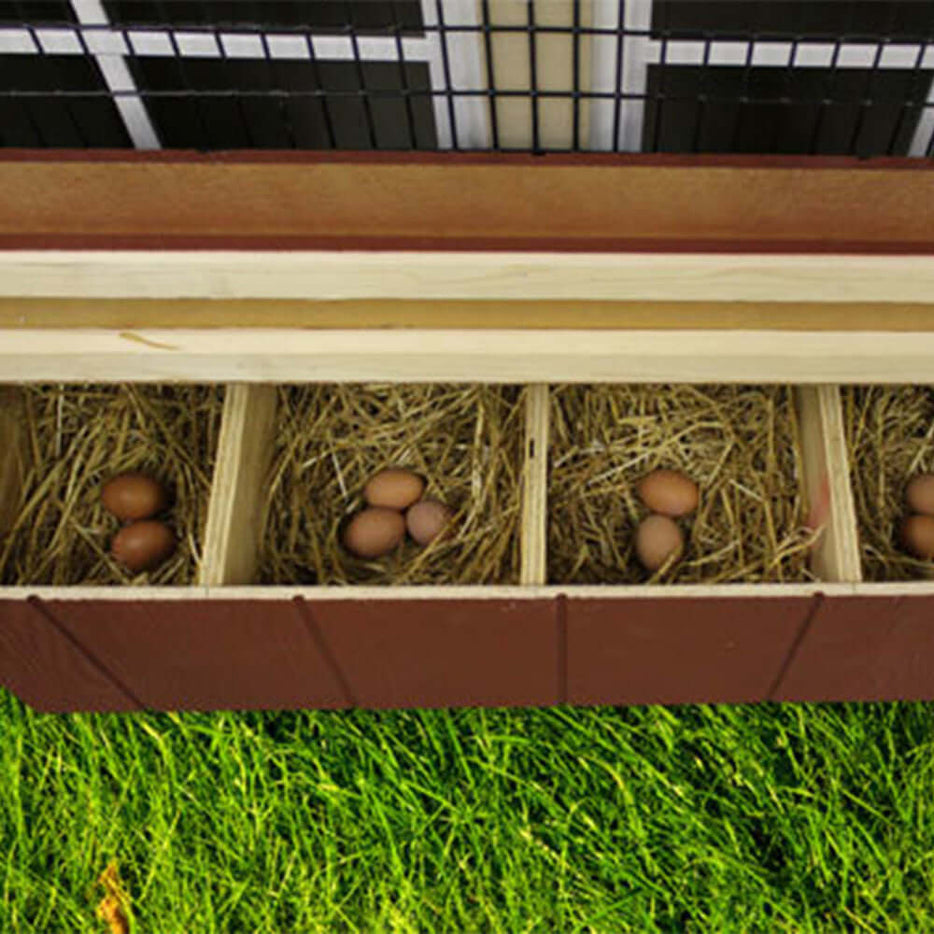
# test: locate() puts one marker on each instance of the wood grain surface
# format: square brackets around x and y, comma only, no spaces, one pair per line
[471,200]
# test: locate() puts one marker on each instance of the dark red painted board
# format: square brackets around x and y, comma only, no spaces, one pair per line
[206,654]
[434,653]
[233,654]
[865,648]
[46,669]
[677,651]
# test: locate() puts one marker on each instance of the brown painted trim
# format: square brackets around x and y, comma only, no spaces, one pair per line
[94,241]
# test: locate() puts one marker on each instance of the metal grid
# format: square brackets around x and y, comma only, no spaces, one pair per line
[492,75]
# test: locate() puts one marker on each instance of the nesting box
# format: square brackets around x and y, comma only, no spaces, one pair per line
[561,325]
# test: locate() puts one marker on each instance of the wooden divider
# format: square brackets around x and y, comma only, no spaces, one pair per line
[827,484]
[13,454]
[233,532]
[534,566]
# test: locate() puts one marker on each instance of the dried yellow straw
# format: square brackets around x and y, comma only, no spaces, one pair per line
[466,441]
[890,438]
[740,444]
[78,437]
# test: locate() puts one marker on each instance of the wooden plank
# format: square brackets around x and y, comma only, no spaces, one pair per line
[460,198]
[132,314]
[346,275]
[827,483]
[14,454]
[864,648]
[475,653]
[45,668]
[207,655]
[257,355]
[688,650]
[534,563]
[233,532]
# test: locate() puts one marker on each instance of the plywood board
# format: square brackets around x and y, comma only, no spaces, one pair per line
[681,651]
[200,655]
[46,667]
[863,649]
[381,199]
[462,653]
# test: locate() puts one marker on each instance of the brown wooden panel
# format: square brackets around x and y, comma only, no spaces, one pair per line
[865,648]
[207,654]
[676,651]
[444,201]
[444,653]
[46,669]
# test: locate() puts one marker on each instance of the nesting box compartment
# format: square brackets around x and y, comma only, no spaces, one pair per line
[232,638]
[890,439]
[65,441]
[740,444]
[465,441]
[294,286]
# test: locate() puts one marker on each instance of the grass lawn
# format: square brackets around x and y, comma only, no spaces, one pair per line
[768,818]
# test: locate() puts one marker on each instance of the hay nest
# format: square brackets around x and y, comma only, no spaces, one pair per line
[890,438]
[740,444]
[77,437]
[466,441]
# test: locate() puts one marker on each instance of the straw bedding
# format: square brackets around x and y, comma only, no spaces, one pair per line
[466,441]
[77,437]
[740,444]
[890,438]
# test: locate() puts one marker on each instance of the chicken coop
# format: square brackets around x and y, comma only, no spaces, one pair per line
[530,252]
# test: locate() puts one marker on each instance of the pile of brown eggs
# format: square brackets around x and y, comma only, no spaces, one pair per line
[144,542]
[669,495]
[918,529]
[394,507]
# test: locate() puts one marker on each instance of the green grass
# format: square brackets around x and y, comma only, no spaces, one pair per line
[771,818]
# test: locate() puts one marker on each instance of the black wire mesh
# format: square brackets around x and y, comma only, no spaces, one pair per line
[848,78]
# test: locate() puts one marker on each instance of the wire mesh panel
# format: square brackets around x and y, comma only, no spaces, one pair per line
[849,77]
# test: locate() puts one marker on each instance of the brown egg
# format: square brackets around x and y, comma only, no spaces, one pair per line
[918,536]
[131,496]
[668,493]
[374,532]
[427,520]
[920,494]
[142,546]
[657,538]
[394,488]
